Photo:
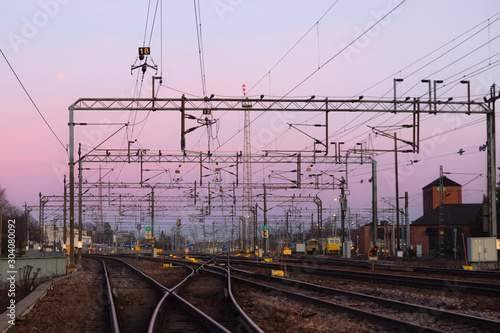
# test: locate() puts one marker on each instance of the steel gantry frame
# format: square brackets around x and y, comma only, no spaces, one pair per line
[280,105]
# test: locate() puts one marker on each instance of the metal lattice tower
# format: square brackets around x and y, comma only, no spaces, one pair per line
[99,221]
[247,177]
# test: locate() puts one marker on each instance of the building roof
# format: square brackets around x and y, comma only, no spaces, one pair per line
[454,214]
[446,182]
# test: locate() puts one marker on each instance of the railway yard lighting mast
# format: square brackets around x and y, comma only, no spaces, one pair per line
[436,82]
[430,94]
[395,95]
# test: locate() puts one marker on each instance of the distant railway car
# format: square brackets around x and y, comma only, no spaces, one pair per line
[332,245]
[312,246]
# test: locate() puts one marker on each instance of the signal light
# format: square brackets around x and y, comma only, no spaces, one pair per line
[373,252]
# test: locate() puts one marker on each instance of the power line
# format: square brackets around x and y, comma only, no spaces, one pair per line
[146,27]
[432,61]
[197,14]
[344,48]
[432,52]
[153,24]
[33,102]
[294,45]
[323,65]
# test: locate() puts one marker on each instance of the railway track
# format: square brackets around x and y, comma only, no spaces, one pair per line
[455,286]
[135,296]
[401,313]
[313,303]
[102,320]
[395,267]
[210,294]
[199,303]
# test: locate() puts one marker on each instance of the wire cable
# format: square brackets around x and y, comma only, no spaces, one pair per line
[294,45]
[33,102]
[344,48]
[147,21]
[153,24]
[428,54]
[197,15]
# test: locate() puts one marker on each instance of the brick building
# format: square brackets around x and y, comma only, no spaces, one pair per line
[424,232]
[457,219]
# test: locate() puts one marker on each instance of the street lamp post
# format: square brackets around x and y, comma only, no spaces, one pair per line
[467,82]
[430,94]
[436,82]
[395,96]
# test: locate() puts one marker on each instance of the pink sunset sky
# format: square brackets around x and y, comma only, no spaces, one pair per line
[66,50]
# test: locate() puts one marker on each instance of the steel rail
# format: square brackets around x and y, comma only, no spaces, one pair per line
[246,320]
[115,328]
[395,267]
[475,288]
[249,324]
[438,313]
[197,314]
[383,320]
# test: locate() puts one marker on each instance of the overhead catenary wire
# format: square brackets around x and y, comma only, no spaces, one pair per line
[345,48]
[197,14]
[323,65]
[316,24]
[146,27]
[447,65]
[153,24]
[32,101]
[430,53]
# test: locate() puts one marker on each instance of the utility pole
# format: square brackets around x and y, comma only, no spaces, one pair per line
[183,126]
[80,208]
[441,190]
[286,228]
[398,232]
[41,222]
[153,217]
[266,240]
[335,225]
[178,233]
[312,225]
[254,225]
[64,214]
[243,233]
[407,218]
[247,167]
[71,163]
[233,215]
[1,226]
[343,208]
[491,156]
[27,211]
[319,205]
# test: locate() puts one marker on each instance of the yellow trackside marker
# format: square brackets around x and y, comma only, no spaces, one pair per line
[277,273]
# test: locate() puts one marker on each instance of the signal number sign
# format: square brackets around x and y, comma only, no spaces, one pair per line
[144,51]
